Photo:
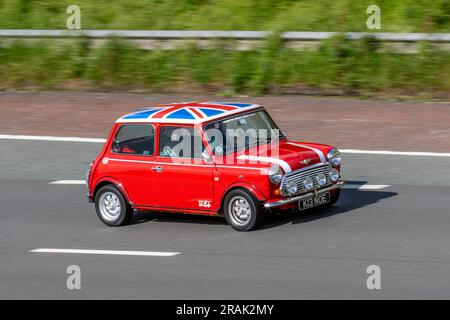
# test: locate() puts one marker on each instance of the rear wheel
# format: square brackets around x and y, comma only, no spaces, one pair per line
[111,207]
[242,211]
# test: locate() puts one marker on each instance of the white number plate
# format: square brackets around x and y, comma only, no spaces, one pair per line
[314,201]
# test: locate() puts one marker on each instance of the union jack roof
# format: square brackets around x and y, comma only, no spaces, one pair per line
[187,112]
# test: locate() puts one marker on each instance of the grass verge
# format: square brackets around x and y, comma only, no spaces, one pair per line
[338,66]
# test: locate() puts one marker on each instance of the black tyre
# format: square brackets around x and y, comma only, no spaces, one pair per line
[242,211]
[111,207]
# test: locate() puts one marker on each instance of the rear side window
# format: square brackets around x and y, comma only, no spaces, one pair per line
[138,139]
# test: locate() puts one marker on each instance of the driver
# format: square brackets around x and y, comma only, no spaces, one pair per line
[168,141]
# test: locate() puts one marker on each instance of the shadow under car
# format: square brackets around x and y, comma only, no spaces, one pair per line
[349,200]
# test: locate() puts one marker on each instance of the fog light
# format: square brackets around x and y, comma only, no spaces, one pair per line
[334,175]
[308,183]
[291,187]
[321,179]
[277,192]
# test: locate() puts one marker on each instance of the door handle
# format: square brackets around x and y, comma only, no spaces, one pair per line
[157,169]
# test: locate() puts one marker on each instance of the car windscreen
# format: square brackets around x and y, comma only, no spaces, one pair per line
[240,132]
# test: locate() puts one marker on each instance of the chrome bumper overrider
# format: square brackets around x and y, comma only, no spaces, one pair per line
[337,185]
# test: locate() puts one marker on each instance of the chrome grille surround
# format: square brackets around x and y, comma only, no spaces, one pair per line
[300,175]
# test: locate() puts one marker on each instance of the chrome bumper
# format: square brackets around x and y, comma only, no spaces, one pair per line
[337,185]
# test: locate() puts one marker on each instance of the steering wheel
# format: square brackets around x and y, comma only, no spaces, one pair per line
[168,151]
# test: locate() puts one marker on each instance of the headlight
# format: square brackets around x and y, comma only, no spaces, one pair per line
[334,157]
[308,183]
[291,187]
[321,179]
[334,175]
[275,174]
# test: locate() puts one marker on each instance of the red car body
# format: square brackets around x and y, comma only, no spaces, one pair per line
[161,183]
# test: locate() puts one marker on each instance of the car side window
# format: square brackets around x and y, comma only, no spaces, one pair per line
[135,139]
[180,142]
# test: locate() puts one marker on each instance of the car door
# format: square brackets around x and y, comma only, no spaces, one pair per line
[182,179]
[130,159]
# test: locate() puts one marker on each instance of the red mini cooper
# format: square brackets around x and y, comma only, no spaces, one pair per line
[211,158]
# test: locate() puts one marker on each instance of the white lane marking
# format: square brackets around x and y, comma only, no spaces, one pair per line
[286,167]
[68,182]
[397,153]
[365,186]
[100,140]
[51,138]
[110,252]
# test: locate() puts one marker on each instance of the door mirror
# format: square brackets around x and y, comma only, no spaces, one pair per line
[206,157]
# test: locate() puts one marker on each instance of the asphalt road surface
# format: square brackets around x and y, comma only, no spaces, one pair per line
[402,227]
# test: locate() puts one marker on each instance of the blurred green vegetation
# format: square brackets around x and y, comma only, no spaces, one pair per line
[275,15]
[353,67]
[340,65]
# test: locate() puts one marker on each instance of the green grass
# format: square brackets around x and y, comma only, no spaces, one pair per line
[339,65]
[277,15]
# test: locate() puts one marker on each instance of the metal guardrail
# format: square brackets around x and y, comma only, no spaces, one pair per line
[244,40]
[213,34]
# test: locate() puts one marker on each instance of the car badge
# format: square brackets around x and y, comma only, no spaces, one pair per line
[305,161]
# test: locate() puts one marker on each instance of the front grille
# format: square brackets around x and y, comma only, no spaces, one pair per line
[300,175]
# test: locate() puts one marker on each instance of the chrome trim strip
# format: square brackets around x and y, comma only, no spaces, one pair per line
[187,164]
[337,185]
[163,163]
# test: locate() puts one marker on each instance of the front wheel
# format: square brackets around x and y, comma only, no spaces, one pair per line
[111,207]
[242,211]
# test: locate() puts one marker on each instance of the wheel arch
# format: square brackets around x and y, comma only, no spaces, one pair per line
[110,181]
[258,195]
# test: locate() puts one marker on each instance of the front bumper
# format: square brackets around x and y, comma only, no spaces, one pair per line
[279,203]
